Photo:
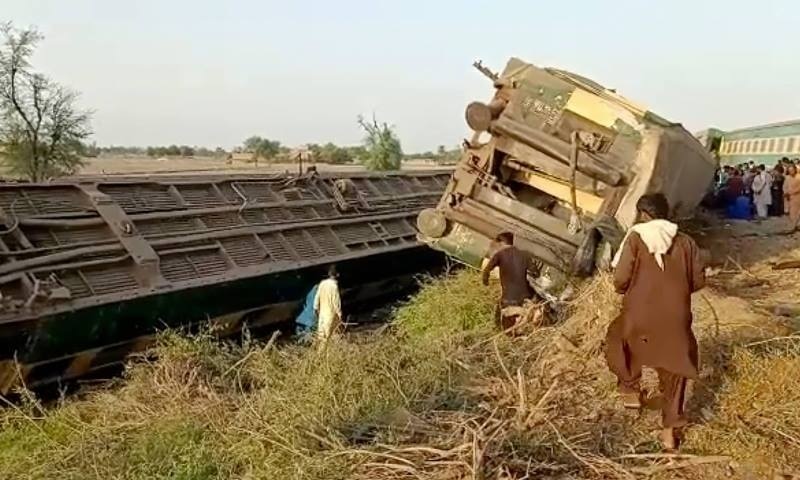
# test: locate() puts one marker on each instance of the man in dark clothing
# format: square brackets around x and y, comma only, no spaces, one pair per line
[734,188]
[514,265]
[657,270]
[776,190]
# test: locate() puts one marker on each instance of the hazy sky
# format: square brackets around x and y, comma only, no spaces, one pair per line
[214,72]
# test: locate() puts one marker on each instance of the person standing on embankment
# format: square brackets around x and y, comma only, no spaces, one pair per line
[656,269]
[328,306]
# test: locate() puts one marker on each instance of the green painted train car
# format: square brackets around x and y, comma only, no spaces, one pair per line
[765,144]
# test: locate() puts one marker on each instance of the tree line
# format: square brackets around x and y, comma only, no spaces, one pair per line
[273,151]
[442,155]
[270,151]
[155,151]
[381,149]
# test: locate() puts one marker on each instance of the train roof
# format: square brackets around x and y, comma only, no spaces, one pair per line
[787,127]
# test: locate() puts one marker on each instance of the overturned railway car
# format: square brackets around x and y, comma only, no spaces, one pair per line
[561,161]
[90,270]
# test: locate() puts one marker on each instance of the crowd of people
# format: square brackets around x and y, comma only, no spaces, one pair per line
[749,190]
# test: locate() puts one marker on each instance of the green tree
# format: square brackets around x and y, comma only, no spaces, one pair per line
[262,147]
[270,148]
[316,151]
[358,153]
[330,153]
[187,151]
[252,144]
[383,150]
[42,132]
[341,156]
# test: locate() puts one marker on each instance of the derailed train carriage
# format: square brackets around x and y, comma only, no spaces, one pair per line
[562,168]
[90,270]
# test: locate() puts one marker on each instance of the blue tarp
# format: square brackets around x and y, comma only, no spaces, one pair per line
[307,320]
[740,209]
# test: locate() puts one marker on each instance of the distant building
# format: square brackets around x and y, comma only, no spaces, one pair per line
[765,144]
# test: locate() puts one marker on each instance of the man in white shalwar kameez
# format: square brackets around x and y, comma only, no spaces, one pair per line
[762,192]
[328,306]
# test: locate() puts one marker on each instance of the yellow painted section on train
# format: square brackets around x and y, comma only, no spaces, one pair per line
[599,110]
[586,201]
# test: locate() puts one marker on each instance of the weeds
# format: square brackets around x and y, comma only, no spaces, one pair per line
[438,395]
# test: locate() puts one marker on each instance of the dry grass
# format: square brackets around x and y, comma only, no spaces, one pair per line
[439,395]
[756,420]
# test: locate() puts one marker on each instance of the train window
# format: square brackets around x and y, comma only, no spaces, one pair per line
[790,146]
[781,145]
[771,144]
[763,146]
[749,147]
[739,147]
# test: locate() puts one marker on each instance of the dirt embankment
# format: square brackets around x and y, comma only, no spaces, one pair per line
[440,395]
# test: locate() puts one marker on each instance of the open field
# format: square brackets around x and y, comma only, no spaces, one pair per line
[148,165]
[439,395]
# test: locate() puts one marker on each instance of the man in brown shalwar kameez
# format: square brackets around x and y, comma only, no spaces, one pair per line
[514,265]
[657,269]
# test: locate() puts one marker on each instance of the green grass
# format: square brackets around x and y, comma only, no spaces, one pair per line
[207,410]
[439,394]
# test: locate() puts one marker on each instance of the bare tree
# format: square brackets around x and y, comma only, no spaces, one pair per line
[41,130]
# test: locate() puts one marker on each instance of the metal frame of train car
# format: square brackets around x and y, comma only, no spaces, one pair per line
[91,270]
[563,166]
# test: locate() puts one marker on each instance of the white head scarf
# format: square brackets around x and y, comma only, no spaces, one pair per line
[657,235]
